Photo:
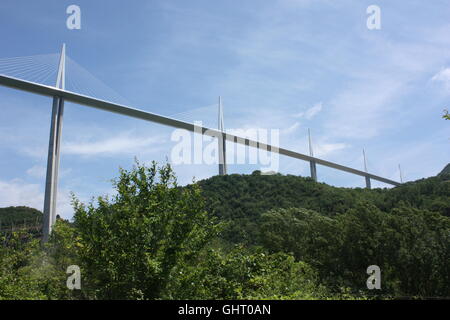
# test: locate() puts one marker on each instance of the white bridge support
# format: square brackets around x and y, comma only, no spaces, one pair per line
[54,147]
[368,185]
[312,163]
[222,142]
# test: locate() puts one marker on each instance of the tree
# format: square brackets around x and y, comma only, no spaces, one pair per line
[27,271]
[242,273]
[16,253]
[411,246]
[446,115]
[130,244]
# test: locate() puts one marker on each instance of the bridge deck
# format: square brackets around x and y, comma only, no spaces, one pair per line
[152,117]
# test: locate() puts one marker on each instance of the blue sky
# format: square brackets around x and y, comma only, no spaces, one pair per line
[280,64]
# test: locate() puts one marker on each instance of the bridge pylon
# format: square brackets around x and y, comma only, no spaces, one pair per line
[54,147]
[368,184]
[312,163]
[222,142]
[400,173]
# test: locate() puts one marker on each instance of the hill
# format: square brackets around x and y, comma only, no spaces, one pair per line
[445,171]
[240,200]
[341,231]
[17,217]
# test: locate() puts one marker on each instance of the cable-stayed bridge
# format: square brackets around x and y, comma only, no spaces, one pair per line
[41,71]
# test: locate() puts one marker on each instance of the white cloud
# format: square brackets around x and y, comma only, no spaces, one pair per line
[321,150]
[361,111]
[124,143]
[34,151]
[40,172]
[443,76]
[17,192]
[311,112]
[291,129]
[37,171]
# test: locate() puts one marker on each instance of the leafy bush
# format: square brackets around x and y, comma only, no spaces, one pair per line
[411,246]
[243,274]
[128,246]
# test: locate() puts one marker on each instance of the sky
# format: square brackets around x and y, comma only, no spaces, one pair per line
[280,65]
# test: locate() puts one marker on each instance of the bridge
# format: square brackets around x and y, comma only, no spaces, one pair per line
[60,95]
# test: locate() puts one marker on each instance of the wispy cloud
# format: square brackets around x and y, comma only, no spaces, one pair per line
[311,112]
[291,129]
[359,112]
[324,149]
[443,77]
[37,171]
[124,143]
[40,171]
[18,192]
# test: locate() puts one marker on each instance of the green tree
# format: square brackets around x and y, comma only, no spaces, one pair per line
[411,246]
[446,115]
[16,253]
[129,245]
[242,273]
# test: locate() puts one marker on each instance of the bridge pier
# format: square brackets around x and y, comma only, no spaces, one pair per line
[368,185]
[222,142]
[54,147]
[312,165]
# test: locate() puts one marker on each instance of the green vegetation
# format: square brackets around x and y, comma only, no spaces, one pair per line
[129,246]
[412,247]
[238,237]
[446,115]
[17,216]
[240,200]
[445,171]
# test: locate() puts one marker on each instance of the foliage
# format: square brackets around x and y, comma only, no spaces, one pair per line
[411,246]
[16,254]
[27,271]
[445,171]
[240,200]
[242,274]
[14,216]
[237,237]
[446,115]
[129,246]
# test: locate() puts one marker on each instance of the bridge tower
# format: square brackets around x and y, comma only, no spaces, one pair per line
[54,147]
[312,164]
[400,172]
[222,142]
[368,185]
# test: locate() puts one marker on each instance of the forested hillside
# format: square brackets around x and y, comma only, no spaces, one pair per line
[242,199]
[445,171]
[19,216]
[237,237]
[340,231]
